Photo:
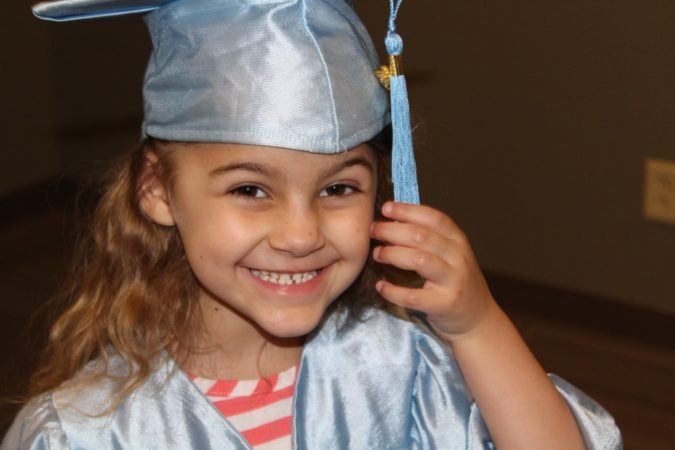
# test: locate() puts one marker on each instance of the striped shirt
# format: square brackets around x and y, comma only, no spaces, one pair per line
[259,409]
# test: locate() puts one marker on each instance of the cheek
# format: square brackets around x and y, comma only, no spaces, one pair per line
[351,232]
[218,240]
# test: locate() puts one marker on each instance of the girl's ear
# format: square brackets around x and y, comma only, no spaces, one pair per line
[152,193]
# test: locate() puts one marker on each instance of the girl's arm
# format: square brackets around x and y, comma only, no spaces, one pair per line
[519,404]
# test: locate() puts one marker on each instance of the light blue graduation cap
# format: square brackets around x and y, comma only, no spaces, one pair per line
[298,74]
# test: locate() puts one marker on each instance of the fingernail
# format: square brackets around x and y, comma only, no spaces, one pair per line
[376,252]
[387,207]
[378,286]
[372,226]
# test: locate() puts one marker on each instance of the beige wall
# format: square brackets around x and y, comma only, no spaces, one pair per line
[536,118]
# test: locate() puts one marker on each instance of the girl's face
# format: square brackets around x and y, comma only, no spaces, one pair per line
[274,234]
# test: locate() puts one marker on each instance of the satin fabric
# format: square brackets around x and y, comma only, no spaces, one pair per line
[296,74]
[67,10]
[381,383]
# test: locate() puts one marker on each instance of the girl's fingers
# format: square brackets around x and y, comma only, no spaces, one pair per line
[428,265]
[419,299]
[406,297]
[411,235]
[422,215]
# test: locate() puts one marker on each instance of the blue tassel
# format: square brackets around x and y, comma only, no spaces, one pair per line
[404,171]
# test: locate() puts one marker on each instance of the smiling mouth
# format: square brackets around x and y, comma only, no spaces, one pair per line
[285,278]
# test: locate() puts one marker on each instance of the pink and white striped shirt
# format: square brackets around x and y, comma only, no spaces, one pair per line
[259,409]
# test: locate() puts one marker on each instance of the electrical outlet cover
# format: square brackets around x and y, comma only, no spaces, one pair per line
[659,203]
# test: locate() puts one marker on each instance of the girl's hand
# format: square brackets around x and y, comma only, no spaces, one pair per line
[455,295]
[492,356]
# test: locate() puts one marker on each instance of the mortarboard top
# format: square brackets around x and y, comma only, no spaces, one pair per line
[64,10]
[297,74]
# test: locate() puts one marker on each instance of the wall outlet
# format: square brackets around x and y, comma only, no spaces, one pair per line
[659,203]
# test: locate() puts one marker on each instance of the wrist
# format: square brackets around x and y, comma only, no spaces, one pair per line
[489,321]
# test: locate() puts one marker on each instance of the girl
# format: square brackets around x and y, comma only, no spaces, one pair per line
[225,296]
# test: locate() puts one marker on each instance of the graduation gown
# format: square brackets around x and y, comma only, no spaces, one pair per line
[374,384]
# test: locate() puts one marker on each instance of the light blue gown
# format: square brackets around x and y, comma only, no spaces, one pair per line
[381,383]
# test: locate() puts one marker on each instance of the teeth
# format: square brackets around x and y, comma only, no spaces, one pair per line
[285,279]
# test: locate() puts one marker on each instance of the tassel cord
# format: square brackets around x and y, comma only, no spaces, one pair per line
[404,171]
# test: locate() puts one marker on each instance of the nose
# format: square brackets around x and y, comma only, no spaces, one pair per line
[297,231]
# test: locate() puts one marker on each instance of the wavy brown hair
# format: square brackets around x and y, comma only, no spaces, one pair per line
[131,291]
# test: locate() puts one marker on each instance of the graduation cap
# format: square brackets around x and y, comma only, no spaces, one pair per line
[299,74]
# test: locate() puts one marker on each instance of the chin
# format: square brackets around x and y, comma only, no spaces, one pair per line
[291,326]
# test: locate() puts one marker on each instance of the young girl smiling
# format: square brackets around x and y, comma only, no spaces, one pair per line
[241,244]
[273,236]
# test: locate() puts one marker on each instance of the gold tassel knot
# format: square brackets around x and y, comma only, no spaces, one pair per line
[384,73]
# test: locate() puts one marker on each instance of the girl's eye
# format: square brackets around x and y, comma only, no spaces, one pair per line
[337,190]
[249,191]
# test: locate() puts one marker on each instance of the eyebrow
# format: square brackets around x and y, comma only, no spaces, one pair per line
[271,172]
[344,164]
[247,166]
